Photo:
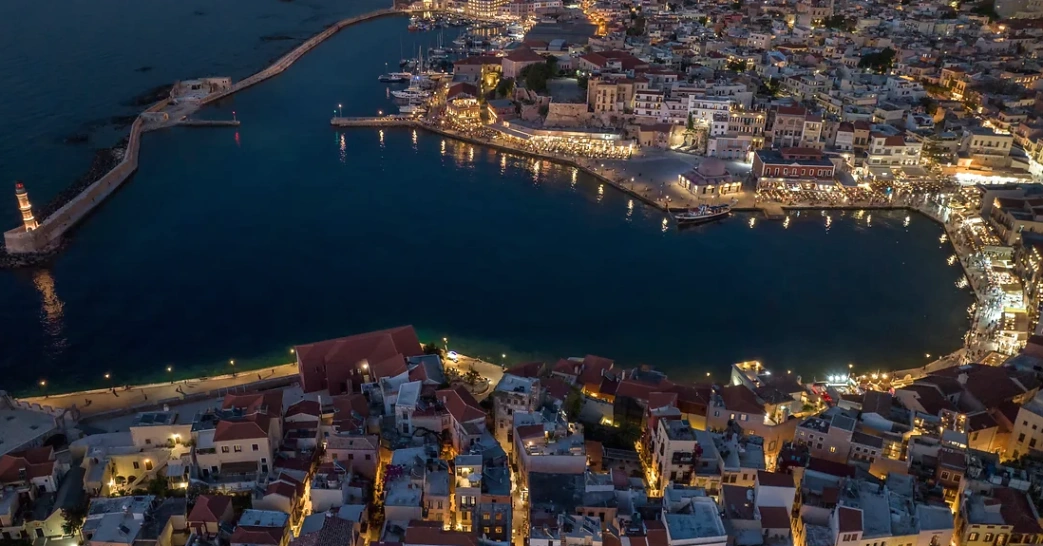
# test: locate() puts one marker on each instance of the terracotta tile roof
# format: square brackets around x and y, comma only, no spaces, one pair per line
[528,432]
[1016,510]
[268,402]
[662,400]
[305,407]
[478,60]
[257,535]
[831,467]
[790,111]
[929,398]
[344,406]
[609,386]
[524,55]
[639,390]
[460,404]
[557,388]
[285,486]
[594,367]
[36,463]
[528,369]
[739,398]
[774,479]
[774,517]
[568,367]
[422,535]
[247,429]
[333,363]
[877,402]
[849,520]
[209,508]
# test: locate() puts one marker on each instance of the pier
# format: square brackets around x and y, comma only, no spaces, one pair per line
[209,123]
[381,121]
[36,244]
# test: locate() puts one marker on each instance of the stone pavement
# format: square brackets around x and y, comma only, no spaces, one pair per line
[108,401]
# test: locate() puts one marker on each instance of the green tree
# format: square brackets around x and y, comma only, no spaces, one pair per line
[158,486]
[505,87]
[74,517]
[737,65]
[574,404]
[988,9]
[839,22]
[536,75]
[704,20]
[880,61]
[472,377]
[770,87]
[433,349]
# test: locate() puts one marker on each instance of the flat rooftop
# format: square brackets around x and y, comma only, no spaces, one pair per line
[703,522]
[149,418]
[19,427]
[679,430]
[263,518]
[513,383]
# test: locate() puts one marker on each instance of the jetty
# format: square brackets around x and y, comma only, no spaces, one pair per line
[379,121]
[209,123]
[36,241]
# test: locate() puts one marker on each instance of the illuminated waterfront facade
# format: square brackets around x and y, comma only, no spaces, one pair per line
[483,9]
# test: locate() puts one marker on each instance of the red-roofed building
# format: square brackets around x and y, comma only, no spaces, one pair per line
[517,60]
[611,61]
[467,417]
[36,467]
[428,535]
[208,513]
[342,365]
[737,405]
[237,443]
[283,494]
[357,453]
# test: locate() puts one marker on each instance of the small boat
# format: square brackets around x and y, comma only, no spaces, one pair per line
[411,93]
[702,214]
[414,107]
[395,77]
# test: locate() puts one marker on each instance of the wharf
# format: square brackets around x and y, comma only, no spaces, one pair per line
[381,121]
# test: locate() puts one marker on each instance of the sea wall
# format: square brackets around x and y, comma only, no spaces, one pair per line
[287,60]
[45,239]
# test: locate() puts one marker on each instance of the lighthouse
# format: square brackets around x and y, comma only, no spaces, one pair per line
[25,207]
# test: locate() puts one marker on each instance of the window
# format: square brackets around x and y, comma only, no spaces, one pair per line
[499,529]
[747,418]
[148,464]
[368,457]
[137,465]
[238,448]
[148,441]
[224,449]
[255,447]
[988,537]
[485,517]
[1032,442]
[716,414]
[832,449]
[1021,437]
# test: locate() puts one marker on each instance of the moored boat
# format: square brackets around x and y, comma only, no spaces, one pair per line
[702,214]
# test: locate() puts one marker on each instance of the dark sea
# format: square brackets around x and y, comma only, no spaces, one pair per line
[237,243]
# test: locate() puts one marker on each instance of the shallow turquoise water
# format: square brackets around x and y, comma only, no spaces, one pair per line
[238,244]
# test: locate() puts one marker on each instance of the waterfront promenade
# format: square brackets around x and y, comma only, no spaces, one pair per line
[119,398]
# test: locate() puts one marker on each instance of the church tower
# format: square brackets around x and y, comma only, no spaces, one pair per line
[25,207]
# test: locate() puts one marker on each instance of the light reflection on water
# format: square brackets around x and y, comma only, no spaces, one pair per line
[52,310]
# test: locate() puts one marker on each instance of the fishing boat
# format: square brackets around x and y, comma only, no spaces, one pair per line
[701,215]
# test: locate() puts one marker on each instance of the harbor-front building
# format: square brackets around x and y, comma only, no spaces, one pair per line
[793,169]
[711,178]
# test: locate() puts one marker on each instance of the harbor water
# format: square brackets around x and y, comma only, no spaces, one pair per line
[237,243]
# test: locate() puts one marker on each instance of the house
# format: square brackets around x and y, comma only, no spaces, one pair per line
[209,513]
[518,60]
[116,520]
[335,528]
[343,365]
[513,394]
[467,418]
[791,168]
[261,528]
[236,444]
[828,439]
[711,178]
[674,449]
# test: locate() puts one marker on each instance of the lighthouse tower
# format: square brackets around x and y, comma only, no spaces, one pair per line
[25,207]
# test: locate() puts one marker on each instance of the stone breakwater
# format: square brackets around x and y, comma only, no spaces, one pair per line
[111,167]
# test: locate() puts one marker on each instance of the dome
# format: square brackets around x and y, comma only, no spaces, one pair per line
[711,167]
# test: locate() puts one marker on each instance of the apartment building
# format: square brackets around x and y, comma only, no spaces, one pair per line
[673,452]
[513,394]
[235,445]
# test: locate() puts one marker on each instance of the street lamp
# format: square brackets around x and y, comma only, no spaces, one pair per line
[107,375]
[445,341]
[170,368]
[339,106]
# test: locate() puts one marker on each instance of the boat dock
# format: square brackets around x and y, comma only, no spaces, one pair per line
[380,121]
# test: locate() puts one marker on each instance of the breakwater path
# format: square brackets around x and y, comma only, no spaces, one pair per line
[28,247]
